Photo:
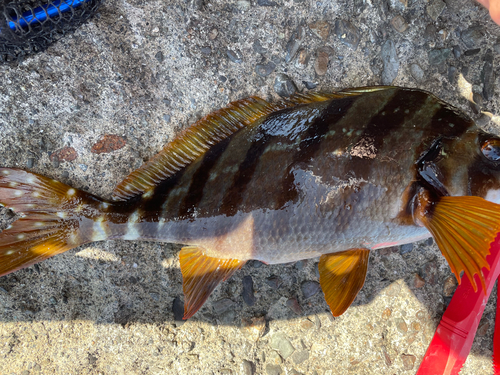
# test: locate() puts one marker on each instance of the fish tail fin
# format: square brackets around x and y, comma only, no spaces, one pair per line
[49,221]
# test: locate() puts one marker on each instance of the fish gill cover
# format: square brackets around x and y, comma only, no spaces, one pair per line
[30,26]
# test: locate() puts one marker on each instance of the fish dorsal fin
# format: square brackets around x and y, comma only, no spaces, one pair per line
[200,275]
[192,143]
[341,276]
[199,137]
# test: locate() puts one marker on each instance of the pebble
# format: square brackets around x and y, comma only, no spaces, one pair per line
[280,343]
[302,59]
[488,76]
[159,56]
[253,328]
[310,85]
[294,43]
[483,329]
[273,370]
[222,305]
[264,70]
[321,63]
[416,326]
[399,24]
[452,74]
[274,357]
[284,86]
[390,61]
[178,310]
[273,281]
[418,282]
[408,361]
[406,248]
[309,288]
[457,52]
[496,48]
[243,5]
[166,118]
[472,52]
[386,313]
[206,50]
[450,284]
[213,34]
[438,56]
[235,56]
[473,36]
[64,154]
[294,305]
[435,8]
[401,325]
[267,3]
[108,143]
[300,356]
[256,263]
[30,163]
[430,32]
[247,293]
[83,167]
[348,33]
[257,47]
[247,367]
[321,29]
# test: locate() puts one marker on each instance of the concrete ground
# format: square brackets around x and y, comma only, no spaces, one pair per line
[140,72]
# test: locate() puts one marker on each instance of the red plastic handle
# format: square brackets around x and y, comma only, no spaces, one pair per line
[454,335]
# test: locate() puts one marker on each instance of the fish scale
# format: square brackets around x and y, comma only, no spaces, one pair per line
[329,175]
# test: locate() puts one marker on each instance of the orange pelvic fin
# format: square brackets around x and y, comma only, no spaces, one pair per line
[463,228]
[341,276]
[201,274]
[47,225]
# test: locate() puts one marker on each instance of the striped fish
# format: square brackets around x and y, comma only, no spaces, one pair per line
[320,175]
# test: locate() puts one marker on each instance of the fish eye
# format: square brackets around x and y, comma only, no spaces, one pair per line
[491,149]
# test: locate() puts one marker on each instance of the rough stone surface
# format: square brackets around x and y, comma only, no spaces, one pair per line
[142,70]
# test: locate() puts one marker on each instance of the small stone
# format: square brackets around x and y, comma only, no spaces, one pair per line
[108,143]
[399,24]
[452,74]
[294,43]
[273,370]
[386,313]
[488,76]
[30,163]
[247,367]
[264,70]
[310,85]
[457,52]
[64,154]
[406,248]
[302,59]
[247,293]
[306,324]
[293,305]
[496,48]
[387,359]
[300,356]
[253,328]
[166,118]
[284,86]
[206,50]
[401,325]
[257,47]
[435,8]
[159,56]
[321,29]
[418,282]
[321,63]
[178,310]
[213,34]
[274,358]
[483,120]
[256,263]
[390,61]
[483,329]
[273,281]
[430,32]
[415,326]
[222,305]
[421,315]
[473,36]
[348,33]
[235,56]
[472,52]
[309,288]
[408,361]
[267,3]
[280,343]
[450,284]
[438,56]
[243,5]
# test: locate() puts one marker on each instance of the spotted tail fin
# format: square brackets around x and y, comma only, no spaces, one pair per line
[54,218]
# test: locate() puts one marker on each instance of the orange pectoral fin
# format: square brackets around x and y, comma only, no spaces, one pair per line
[200,275]
[341,276]
[464,228]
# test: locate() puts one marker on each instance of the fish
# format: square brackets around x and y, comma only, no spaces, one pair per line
[330,175]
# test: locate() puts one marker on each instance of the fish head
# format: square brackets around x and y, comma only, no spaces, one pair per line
[464,165]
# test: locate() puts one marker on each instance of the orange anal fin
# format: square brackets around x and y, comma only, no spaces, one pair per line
[200,275]
[464,228]
[341,276]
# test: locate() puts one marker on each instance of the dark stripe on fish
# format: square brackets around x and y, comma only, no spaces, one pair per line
[199,180]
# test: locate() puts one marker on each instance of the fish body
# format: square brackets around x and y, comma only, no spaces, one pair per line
[330,175]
